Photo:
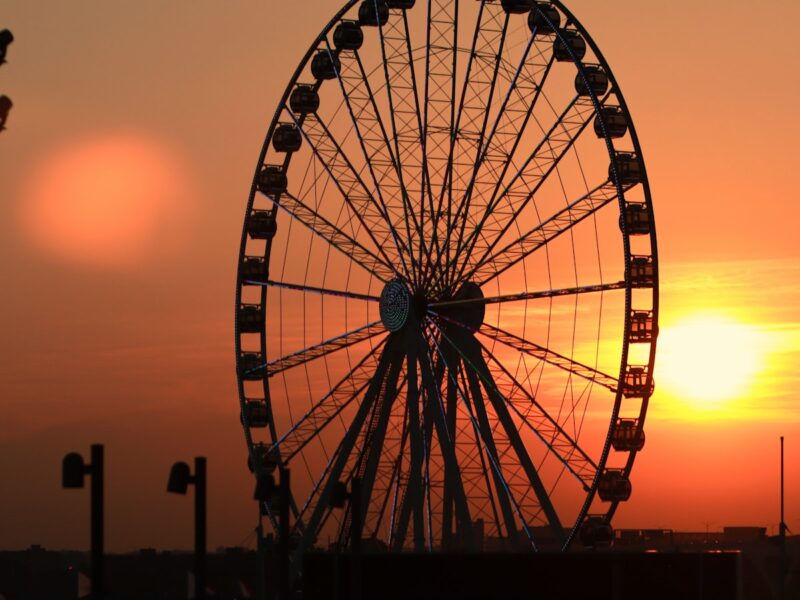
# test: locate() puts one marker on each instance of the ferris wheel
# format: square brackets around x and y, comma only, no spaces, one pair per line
[447,295]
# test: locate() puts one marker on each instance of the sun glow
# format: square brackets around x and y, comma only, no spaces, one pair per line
[104,200]
[707,360]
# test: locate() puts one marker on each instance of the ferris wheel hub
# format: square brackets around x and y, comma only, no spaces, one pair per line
[395,305]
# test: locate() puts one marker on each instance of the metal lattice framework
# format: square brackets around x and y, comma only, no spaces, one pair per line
[448,282]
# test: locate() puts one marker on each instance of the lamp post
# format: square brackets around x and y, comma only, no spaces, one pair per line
[73,472]
[179,479]
[268,492]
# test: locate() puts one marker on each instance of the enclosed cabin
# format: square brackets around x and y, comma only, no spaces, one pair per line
[287,138]
[401,4]
[614,486]
[272,180]
[348,36]
[593,79]
[627,436]
[250,318]
[569,45]
[262,225]
[596,532]
[373,13]
[636,382]
[251,366]
[627,167]
[543,19]
[254,269]
[643,329]
[642,272]
[516,7]
[636,219]
[255,414]
[610,121]
[304,99]
[325,65]
[261,457]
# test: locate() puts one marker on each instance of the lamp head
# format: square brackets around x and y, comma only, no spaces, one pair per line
[6,38]
[179,478]
[73,471]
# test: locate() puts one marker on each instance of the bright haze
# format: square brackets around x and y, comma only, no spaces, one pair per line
[124,174]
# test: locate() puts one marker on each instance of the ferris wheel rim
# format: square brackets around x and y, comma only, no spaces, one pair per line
[322,38]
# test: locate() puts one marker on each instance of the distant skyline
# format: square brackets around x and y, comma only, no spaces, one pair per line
[127,339]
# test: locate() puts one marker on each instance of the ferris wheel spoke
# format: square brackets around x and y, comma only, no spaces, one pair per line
[469,124]
[363,206]
[319,416]
[394,51]
[541,163]
[435,308]
[537,420]
[349,440]
[325,348]
[313,290]
[492,264]
[334,236]
[522,96]
[375,147]
[474,361]
[407,121]
[549,356]
[438,107]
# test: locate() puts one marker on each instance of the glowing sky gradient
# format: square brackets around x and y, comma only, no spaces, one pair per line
[129,341]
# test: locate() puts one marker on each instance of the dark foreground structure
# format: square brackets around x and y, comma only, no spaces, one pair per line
[645,566]
[606,576]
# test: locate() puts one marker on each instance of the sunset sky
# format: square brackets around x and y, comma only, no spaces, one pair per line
[124,174]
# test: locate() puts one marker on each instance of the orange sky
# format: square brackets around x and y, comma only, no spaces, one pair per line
[130,342]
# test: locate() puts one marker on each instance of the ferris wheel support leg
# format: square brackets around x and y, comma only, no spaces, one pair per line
[413,497]
[376,442]
[475,357]
[501,486]
[348,442]
[453,485]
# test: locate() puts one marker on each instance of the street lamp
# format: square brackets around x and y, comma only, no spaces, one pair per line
[6,37]
[179,479]
[73,472]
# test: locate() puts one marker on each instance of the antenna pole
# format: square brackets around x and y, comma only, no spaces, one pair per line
[782,534]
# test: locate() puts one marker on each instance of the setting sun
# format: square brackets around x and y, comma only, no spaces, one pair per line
[706,360]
